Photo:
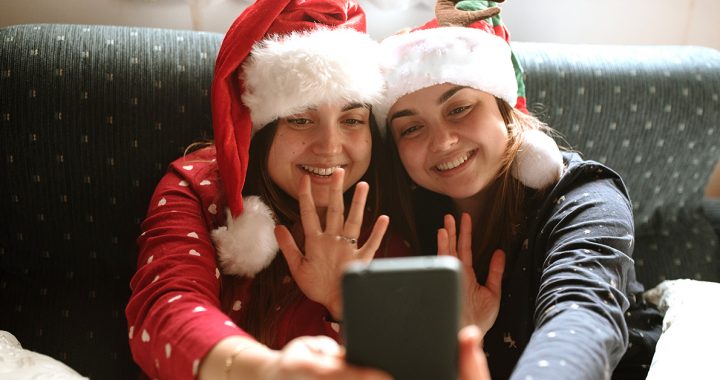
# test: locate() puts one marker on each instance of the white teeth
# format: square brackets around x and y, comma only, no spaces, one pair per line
[320,171]
[454,163]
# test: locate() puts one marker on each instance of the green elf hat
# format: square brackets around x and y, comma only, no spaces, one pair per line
[484,15]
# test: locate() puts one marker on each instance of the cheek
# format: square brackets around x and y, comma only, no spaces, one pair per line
[363,149]
[411,159]
[282,150]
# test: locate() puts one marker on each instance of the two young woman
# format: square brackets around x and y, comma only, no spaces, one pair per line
[293,134]
[293,137]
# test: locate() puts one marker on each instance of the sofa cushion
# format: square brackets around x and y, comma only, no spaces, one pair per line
[676,242]
[651,113]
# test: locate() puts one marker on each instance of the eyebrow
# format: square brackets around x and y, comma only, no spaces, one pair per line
[353,106]
[449,93]
[442,99]
[401,113]
[348,107]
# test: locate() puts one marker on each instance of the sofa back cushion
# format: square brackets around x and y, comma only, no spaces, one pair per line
[652,113]
[90,118]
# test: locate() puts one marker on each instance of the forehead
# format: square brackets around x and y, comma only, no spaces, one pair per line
[339,106]
[435,94]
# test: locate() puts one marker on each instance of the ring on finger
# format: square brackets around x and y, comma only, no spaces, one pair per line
[348,239]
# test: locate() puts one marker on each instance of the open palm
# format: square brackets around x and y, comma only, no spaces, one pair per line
[317,270]
[482,303]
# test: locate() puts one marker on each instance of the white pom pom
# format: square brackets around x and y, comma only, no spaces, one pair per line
[539,162]
[247,245]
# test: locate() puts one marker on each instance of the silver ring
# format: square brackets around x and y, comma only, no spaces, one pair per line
[348,239]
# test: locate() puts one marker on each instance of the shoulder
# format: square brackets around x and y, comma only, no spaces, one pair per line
[201,162]
[586,176]
[586,188]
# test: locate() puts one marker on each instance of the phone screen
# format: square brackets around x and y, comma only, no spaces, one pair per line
[402,315]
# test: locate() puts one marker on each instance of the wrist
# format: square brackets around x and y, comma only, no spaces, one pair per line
[249,362]
[330,319]
[334,312]
[235,357]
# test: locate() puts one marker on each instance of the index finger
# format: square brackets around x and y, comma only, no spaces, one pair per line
[452,234]
[308,213]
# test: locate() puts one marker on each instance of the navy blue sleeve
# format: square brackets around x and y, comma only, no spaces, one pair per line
[587,240]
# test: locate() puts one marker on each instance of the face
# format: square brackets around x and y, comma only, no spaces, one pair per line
[318,141]
[451,139]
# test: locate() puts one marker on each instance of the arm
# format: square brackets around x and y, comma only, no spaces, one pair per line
[580,329]
[173,313]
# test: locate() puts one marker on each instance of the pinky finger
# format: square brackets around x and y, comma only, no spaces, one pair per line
[371,246]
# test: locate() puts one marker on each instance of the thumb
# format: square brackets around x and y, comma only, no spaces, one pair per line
[495,272]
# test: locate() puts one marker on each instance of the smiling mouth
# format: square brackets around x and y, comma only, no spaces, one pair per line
[445,166]
[320,172]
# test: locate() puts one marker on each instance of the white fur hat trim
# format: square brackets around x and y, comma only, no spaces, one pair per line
[247,244]
[462,56]
[538,163]
[287,74]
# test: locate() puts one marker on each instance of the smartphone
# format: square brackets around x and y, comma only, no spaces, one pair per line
[402,315]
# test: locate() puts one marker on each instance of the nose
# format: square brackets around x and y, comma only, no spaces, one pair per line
[328,140]
[442,138]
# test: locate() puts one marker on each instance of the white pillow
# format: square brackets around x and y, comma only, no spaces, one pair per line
[17,363]
[688,346]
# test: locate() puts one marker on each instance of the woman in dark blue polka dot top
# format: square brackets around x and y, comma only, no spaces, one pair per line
[546,237]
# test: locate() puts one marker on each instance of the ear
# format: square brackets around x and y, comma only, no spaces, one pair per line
[247,244]
[538,163]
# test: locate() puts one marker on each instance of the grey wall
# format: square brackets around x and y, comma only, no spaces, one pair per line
[674,22]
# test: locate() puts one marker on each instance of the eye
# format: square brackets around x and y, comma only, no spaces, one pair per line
[354,121]
[458,110]
[299,121]
[409,131]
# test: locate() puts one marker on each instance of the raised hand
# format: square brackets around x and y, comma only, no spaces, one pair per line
[329,246]
[482,303]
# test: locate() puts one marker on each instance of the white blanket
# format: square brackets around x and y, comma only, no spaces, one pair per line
[688,346]
[17,363]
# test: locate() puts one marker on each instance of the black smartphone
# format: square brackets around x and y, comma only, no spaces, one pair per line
[402,315]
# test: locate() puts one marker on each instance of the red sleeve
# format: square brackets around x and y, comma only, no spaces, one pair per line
[174,314]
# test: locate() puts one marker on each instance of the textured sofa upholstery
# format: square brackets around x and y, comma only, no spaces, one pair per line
[91,116]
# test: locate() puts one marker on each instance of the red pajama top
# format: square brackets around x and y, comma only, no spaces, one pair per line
[174,313]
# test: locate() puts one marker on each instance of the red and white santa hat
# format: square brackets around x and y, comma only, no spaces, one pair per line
[278,58]
[466,56]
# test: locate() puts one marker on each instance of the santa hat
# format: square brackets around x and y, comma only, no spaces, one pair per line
[279,57]
[476,56]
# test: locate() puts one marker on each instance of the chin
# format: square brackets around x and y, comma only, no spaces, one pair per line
[463,191]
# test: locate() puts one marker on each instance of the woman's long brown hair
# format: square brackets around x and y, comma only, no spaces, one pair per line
[422,212]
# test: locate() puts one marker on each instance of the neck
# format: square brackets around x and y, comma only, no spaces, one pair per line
[473,205]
